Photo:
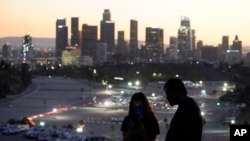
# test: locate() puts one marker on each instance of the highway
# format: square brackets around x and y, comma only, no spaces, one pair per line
[100,107]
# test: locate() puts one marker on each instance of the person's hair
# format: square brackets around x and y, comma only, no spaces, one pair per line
[141,97]
[175,85]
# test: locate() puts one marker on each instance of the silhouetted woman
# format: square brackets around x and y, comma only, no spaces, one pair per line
[140,124]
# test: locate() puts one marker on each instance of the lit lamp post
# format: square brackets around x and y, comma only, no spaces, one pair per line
[42,123]
[129,84]
[137,84]
[224,87]
[203,92]
[154,75]
[107,89]
[94,74]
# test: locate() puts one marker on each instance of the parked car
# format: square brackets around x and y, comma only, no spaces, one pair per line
[11,130]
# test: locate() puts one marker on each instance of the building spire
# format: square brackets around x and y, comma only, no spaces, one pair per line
[236,38]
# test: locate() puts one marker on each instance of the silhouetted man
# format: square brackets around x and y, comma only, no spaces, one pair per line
[186,124]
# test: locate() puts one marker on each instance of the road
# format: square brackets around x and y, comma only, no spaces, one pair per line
[58,92]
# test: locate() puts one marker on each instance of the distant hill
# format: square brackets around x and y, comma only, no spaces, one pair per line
[16,42]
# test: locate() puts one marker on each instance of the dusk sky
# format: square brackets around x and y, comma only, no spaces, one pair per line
[211,19]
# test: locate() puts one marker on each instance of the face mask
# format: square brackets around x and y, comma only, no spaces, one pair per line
[139,110]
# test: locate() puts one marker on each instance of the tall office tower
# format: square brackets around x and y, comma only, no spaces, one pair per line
[121,45]
[75,31]
[173,42]
[225,43]
[133,42]
[61,36]
[154,44]
[6,51]
[172,50]
[185,39]
[27,48]
[106,16]
[223,48]
[199,44]
[108,31]
[101,53]
[197,55]
[89,41]
[193,39]
[237,45]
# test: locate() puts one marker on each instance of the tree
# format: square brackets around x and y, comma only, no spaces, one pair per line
[70,126]
[81,123]
[165,120]
[112,129]
[25,74]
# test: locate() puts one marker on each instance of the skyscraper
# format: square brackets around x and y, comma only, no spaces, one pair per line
[193,40]
[27,48]
[237,45]
[106,16]
[172,50]
[61,36]
[223,48]
[75,31]
[6,51]
[225,43]
[154,44]
[133,42]
[89,41]
[108,31]
[121,45]
[185,39]
[101,55]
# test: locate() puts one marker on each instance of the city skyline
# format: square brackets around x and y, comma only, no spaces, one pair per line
[210,19]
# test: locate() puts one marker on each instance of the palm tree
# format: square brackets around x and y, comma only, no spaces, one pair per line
[165,120]
[112,129]
[81,123]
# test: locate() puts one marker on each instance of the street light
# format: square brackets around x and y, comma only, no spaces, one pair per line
[225,84]
[153,94]
[232,121]
[137,83]
[79,129]
[203,92]
[42,123]
[129,84]
[54,110]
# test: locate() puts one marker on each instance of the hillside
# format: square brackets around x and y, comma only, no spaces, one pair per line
[37,42]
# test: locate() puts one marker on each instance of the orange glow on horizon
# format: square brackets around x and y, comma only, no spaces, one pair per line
[208,19]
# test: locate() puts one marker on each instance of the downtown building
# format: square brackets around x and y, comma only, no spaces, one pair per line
[154,45]
[223,48]
[172,50]
[61,37]
[75,38]
[133,41]
[6,51]
[186,39]
[108,31]
[122,49]
[89,41]
[234,54]
[27,51]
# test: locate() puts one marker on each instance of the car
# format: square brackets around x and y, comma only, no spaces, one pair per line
[11,130]
[44,137]
[229,120]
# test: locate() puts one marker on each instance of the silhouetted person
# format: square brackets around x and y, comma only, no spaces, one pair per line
[186,124]
[140,124]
